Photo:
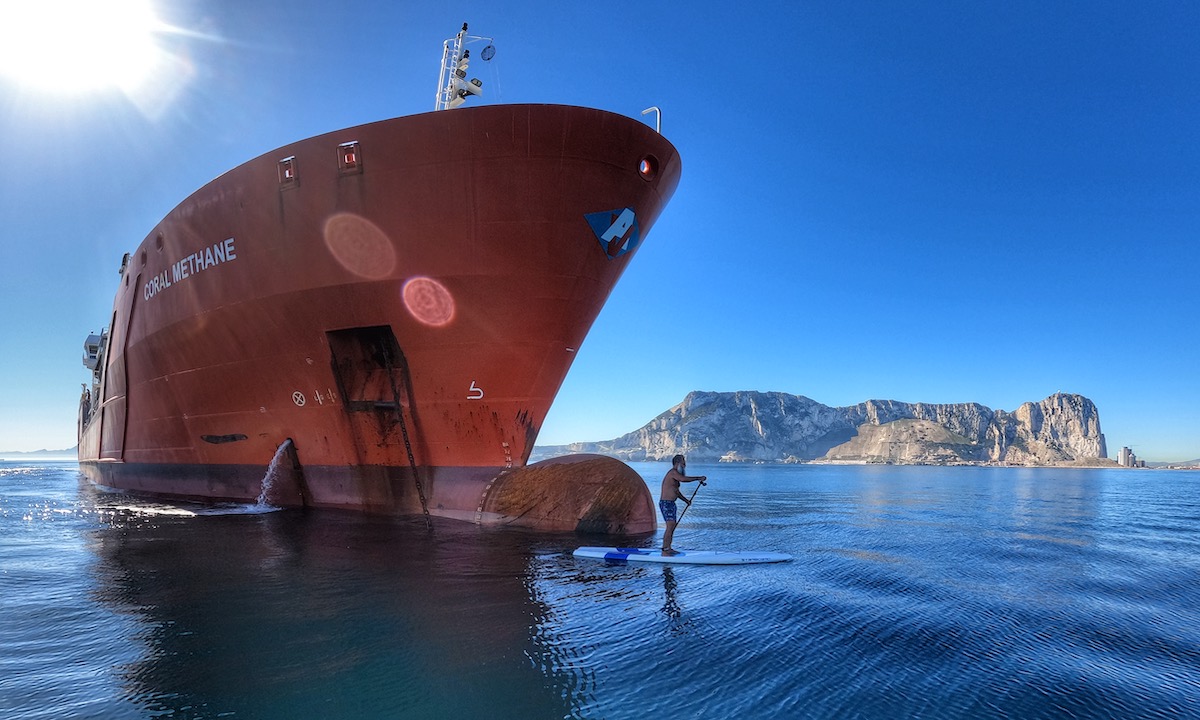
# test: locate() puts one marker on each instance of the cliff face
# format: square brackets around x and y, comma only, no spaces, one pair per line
[776,427]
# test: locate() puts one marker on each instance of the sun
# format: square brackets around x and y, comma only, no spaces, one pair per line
[78,46]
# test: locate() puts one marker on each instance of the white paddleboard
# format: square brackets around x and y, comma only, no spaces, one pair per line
[621,556]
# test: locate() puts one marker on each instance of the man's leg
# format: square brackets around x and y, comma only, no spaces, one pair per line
[667,536]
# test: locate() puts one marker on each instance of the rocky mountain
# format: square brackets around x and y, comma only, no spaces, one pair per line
[777,427]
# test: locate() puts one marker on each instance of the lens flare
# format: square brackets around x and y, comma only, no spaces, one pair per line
[360,246]
[429,301]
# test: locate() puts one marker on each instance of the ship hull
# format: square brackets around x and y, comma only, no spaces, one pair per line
[397,302]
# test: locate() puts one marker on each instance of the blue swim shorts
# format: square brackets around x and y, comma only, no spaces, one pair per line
[668,510]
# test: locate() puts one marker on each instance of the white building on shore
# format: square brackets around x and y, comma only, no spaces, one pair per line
[1126,458]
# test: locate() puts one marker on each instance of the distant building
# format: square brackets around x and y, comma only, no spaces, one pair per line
[1126,458]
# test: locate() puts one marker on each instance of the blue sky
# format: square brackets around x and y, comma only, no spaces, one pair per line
[922,201]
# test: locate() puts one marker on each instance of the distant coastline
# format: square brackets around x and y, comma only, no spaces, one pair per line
[752,427]
[546,452]
[1183,465]
[68,454]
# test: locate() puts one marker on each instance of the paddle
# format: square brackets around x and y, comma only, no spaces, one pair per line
[698,484]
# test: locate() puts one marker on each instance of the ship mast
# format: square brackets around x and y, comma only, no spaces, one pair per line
[453,86]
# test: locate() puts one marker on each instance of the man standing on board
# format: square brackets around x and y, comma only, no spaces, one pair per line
[670,493]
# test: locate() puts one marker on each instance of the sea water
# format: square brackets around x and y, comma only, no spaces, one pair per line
[926,592]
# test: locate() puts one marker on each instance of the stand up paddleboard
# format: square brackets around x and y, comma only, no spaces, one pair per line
[621,556]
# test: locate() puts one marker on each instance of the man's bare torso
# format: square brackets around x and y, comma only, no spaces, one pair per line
[670,486]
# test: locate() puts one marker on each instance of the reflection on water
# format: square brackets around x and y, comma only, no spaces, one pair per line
[670,593]
[323,614]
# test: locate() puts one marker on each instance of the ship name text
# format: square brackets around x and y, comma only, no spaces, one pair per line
[190,265]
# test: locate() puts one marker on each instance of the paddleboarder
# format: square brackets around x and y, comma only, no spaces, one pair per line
[670,493]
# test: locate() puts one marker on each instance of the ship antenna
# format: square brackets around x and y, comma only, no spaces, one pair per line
[453,86]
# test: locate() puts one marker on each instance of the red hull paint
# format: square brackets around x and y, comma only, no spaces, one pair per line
[409,303]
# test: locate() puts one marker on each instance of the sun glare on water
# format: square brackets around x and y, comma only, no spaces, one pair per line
[78,46]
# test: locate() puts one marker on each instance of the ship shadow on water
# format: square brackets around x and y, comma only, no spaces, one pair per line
[326,614]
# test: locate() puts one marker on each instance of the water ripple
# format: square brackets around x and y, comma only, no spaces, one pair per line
[915,592]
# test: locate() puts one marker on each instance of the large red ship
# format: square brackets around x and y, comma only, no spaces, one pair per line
[382,315]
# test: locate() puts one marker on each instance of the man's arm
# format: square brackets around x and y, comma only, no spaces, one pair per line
[684,478]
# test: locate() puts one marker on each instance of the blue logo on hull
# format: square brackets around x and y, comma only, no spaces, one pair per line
[616,230]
